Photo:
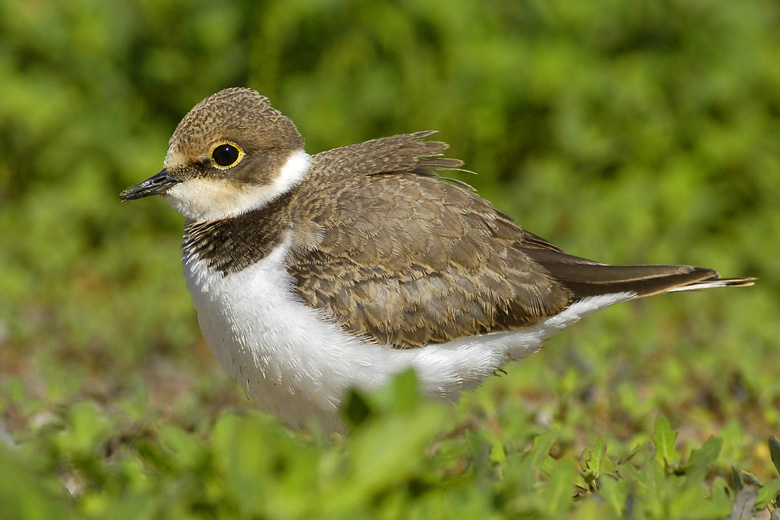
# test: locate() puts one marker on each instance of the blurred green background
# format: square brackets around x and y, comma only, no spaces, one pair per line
[628,132]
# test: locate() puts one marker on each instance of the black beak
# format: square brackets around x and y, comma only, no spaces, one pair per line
[154,185]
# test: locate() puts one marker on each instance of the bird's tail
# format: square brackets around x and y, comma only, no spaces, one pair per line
[587,278]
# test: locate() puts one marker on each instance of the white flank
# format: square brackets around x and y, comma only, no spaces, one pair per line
[299,365]
[203,199]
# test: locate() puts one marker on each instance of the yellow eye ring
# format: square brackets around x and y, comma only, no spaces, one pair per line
[226,155]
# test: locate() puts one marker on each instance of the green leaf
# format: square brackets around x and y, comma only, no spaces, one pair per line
[614,493]
[539,453]
[774,452]
[664,439]
[767,493]
[497,452]
[402,393]
[686,500]
[558,492]
[87,427]
[25,494]
[629,473]
[719,490]
[257,462]
[594,458]
[702,459]
[386,451]
[184,449]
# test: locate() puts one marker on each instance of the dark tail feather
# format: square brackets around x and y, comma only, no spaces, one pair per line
[586,278]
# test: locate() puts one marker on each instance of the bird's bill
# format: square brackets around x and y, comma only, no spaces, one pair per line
[154,185]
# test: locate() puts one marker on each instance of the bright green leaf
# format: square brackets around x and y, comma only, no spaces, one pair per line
[614,493]
[594,458]
[558,491]
[702,459]
[767,493]
[664,439]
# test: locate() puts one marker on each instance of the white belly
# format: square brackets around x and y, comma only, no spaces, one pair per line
[299,365]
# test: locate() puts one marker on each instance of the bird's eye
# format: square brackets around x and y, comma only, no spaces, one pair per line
[226,155]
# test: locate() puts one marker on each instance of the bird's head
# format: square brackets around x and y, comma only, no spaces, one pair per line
[232,153]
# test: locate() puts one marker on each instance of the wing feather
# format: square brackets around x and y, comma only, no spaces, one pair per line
[410,260]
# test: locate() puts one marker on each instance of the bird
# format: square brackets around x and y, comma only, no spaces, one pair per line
[315,274]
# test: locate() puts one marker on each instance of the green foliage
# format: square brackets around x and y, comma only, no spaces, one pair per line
[399,460]
[625,131]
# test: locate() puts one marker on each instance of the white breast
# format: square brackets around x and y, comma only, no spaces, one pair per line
[299,364]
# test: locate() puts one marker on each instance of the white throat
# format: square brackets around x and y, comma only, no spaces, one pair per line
[205,199]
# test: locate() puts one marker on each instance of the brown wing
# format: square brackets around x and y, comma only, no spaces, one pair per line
[407,259]
[393,253]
